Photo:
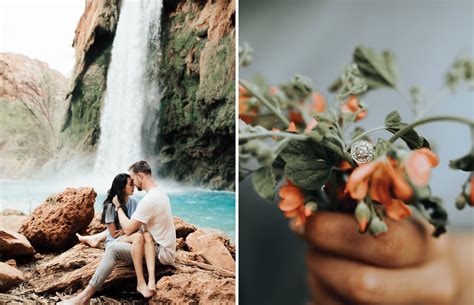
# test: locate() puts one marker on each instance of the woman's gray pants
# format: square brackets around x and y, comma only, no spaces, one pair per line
[114,252]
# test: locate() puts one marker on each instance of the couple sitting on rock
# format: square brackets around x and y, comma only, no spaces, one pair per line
[134,231]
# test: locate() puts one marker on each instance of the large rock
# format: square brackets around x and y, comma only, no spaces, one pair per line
[9,277]
[200,287]
[211,247]
[14,244]
[53,224]
[183,228]
[96,226]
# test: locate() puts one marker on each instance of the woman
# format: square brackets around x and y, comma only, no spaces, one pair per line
[122,188]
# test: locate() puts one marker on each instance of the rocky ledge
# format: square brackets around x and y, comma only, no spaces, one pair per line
[204,271]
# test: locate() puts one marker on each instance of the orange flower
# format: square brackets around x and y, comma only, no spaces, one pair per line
[295,116]
[273,90]
[352,106]
[246,112]
[292,203]
[310,126]
[380,180]
[292,127]
[418,166]
[318,102]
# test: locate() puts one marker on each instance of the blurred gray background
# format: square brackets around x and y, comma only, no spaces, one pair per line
[316,38]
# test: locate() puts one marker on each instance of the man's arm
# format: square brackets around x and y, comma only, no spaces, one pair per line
[129,226]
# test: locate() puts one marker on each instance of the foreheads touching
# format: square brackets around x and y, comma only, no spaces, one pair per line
[138,172]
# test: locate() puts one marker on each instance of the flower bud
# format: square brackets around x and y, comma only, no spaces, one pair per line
[377,227]
[461,201]
[362,214]
[312,206]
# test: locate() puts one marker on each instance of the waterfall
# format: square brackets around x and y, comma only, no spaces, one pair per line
[124,106]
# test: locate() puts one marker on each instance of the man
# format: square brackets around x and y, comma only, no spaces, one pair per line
[154,213]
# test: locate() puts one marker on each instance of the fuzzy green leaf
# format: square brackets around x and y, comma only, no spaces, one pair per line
[393,123]
[379,70]
[465,163]
[308,175]
[264,182]
[299,151]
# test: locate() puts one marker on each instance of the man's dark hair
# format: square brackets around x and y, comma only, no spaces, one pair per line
[140,167]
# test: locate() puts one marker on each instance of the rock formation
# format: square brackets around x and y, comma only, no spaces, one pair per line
[193,279]
[31,108]
[14,244]
[54,223]
[191,135]
[9,277]
[196,119]
[93,44]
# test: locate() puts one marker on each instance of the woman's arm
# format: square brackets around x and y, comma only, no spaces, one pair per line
[113,229]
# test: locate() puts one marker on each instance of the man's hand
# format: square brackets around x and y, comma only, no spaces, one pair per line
[404,266]
[116,202]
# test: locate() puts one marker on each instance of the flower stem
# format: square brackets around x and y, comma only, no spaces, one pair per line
[267,103]
[364,134]
[264,134]
[410,127]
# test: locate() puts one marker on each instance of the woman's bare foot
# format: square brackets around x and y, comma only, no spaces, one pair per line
[143,289]
[152,285]
[91,240]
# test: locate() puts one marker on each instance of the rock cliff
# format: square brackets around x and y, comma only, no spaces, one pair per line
[31,108]
[189,132]
[196,72]
[93,44]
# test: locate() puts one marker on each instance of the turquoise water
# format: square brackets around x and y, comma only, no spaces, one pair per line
[205,209]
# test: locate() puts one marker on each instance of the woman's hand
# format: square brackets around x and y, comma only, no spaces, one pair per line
[117,233]
[404,266]
[116,202]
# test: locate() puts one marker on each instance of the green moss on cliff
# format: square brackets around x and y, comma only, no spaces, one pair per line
[83,121]
[196,118]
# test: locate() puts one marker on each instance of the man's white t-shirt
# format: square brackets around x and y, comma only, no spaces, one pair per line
[154,211]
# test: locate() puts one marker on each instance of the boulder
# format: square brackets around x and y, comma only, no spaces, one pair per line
[96,226]
[53,224]
[200,287]
[183,228]
[9,277]
[14,244]
[211,247]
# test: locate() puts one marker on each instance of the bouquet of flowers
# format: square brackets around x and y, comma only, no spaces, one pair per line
[314,155]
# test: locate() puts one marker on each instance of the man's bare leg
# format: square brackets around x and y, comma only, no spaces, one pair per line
[138,249]
[92,240]
[128,238]
[82,298]
[150,254]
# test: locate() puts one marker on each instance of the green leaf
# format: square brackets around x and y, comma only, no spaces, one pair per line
[438,216]
[303,151]
[381,147]
[264,182]
[394,124]
[379,70]
[465,163]
[357,132]
[308,175]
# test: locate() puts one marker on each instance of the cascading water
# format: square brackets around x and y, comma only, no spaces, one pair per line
[122,117]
